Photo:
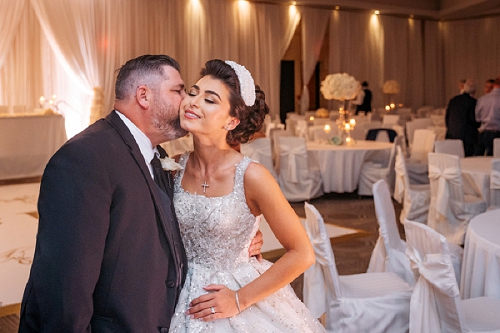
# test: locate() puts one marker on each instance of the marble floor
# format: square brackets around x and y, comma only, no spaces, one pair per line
[352,249]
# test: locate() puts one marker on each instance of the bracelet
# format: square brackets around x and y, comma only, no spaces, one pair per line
[237,301]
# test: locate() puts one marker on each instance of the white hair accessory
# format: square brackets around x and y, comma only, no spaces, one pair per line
[247,85]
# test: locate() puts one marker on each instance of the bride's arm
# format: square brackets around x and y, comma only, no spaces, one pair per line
[263,196]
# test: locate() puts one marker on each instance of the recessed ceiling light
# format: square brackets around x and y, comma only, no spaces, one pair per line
[337,7]
[376,12]
[412,16]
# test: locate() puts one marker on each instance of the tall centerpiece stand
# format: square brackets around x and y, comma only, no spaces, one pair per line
[343,88]
[390,89]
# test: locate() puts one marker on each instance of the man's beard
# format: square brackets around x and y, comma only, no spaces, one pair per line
[166,120]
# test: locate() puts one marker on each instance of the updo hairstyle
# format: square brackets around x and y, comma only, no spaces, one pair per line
[251,117]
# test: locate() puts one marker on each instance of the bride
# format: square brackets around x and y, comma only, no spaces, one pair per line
[219,196]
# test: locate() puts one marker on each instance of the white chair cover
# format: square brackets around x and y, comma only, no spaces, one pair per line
[422,144]
[274,134]
[412,126]
[390,119]
[495,184]
[496,148]
[435,303]
[415,197]
[298,179]
[389,252]
[449,146]
[450,210]
[371,171]
[260,150]
[370,302]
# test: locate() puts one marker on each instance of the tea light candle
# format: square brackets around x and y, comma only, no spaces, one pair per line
[352,122]
[327,128]
[311,118]
[393,105]
[347,126]
[387,107]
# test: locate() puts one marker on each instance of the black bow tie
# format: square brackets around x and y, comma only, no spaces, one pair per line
[160,175]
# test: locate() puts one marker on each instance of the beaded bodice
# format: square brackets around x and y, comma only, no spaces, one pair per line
[216,231]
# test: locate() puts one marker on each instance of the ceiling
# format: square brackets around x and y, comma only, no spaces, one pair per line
[426,9]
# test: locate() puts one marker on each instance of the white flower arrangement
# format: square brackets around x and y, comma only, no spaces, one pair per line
[169,164]
[340,87]
[391,87]
[322,113]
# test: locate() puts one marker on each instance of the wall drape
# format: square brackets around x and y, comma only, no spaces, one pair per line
[314,24]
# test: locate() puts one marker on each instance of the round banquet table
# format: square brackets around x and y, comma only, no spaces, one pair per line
[340,166]
[476,174]
[481,262]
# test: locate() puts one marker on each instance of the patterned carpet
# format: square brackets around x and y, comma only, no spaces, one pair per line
[351,215]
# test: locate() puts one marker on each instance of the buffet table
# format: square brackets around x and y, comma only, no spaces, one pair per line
[341,165]
[27,142]
[481,261]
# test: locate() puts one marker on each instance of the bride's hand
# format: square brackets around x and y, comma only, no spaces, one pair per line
[256,246]
[219,303]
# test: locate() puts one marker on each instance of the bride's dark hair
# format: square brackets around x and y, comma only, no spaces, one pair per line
[251,117]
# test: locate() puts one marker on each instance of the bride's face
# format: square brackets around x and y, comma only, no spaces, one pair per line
[205,109]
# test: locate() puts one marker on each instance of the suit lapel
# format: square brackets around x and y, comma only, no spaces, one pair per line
[163,205]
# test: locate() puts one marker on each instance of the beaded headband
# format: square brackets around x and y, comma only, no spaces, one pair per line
[247,85]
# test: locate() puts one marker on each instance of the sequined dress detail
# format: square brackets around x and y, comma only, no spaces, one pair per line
[217,232]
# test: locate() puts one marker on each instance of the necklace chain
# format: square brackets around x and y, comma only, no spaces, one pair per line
[205,184]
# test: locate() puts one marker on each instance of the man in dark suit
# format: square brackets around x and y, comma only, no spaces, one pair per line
[109,256]
[460,118]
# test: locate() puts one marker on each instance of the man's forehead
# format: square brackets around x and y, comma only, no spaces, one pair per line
[173,76]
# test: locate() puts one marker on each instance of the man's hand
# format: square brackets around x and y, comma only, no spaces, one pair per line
[256,246]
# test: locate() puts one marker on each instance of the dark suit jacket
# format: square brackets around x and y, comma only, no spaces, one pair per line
[109,256]
[367,102]
[461,121]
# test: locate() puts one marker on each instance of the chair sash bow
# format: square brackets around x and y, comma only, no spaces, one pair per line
[291,153]
[444,178]
[399,186]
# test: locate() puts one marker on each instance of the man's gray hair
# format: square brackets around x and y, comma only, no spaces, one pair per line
[470,86]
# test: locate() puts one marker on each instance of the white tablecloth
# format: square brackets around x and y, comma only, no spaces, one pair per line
[28,142]
[341,165]
[476,174]
[481,262]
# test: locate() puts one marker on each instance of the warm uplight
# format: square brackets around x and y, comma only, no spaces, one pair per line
[376,12]
[327,128]
[243,5]
[387,108]
[337,7]
[292,11]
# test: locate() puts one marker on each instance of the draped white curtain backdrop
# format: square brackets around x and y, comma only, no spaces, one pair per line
[314,23]
[69,47]
[376,48]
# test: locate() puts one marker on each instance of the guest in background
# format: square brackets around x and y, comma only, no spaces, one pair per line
[488,86]
[460,118]
[363,100]
[488,114]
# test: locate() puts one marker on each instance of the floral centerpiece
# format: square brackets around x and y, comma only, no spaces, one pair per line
[340,87]
[391,87]
[322,113]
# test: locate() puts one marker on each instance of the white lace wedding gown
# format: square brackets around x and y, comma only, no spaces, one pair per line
[217,233]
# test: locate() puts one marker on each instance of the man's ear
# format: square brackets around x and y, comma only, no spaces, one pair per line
[142,94]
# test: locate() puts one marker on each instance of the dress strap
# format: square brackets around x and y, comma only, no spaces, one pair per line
[239,176]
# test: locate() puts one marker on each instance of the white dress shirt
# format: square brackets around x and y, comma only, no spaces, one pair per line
[142,140]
